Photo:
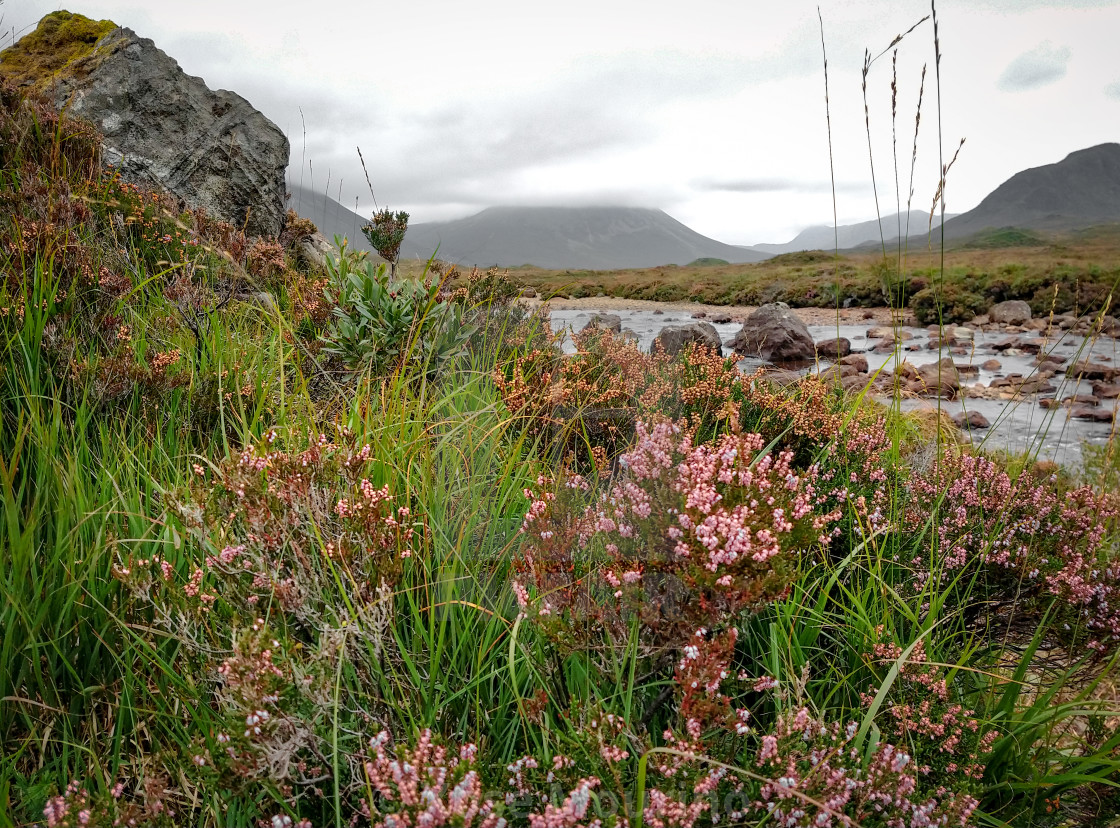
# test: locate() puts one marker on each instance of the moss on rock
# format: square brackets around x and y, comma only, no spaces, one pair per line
[60,43]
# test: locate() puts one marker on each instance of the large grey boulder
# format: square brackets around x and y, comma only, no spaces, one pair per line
[675,338]
[1011,312]
[606,321]
[164,127]
[776,334]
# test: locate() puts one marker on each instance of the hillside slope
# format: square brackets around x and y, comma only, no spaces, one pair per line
[821,237]
[1079,191]
[329,216]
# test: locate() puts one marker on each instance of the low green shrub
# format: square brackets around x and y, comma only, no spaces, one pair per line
[950,303]
[379,325]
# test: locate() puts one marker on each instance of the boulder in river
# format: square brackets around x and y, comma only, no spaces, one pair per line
[1096,415]
[1011,312]
[940,377]
[776,334]
[675,338]
[834,348]
[971,419]
[606,321]
[858,361]
[1092,371]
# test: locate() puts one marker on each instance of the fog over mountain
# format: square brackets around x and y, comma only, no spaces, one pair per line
[594,238]
[590,238]
[821,237]
[1080,191]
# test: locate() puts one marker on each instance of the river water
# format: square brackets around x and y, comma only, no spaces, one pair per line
[1017,425]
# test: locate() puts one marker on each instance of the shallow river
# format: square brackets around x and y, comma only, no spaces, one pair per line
[1017,426]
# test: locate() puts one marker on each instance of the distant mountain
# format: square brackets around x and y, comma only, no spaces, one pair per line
[587,238]
[853,235]
[329,216]
[1080,191]
[557,238]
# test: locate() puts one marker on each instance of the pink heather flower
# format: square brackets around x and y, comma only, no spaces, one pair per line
[571,812]
[769,749]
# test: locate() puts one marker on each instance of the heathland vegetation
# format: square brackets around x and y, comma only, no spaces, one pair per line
[284,544]
[1072,272]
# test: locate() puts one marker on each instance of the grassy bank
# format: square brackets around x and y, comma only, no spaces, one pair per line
[286,545]
[1070,273]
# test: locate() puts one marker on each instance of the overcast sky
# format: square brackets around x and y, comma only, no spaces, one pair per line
[712,110]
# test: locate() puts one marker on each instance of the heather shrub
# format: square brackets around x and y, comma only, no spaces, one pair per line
[582,405]
[839,785]
[428,785]
[947,304]
[687,535]
[1028,538]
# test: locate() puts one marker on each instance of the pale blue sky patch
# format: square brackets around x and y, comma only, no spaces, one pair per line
[1044,64]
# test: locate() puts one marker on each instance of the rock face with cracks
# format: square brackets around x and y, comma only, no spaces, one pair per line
[161,126]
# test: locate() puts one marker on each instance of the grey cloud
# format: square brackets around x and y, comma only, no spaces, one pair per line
[779,185]
[474,154]
[1043,64]
[1024,5]
[1113,90]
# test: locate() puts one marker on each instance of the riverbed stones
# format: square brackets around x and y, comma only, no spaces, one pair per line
[834,348]
[1011,312]
[971,419]
[991,365]
[675,338]
[606,321]
[775,333]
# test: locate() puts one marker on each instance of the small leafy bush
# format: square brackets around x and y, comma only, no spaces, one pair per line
[386,233]
[380,325]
